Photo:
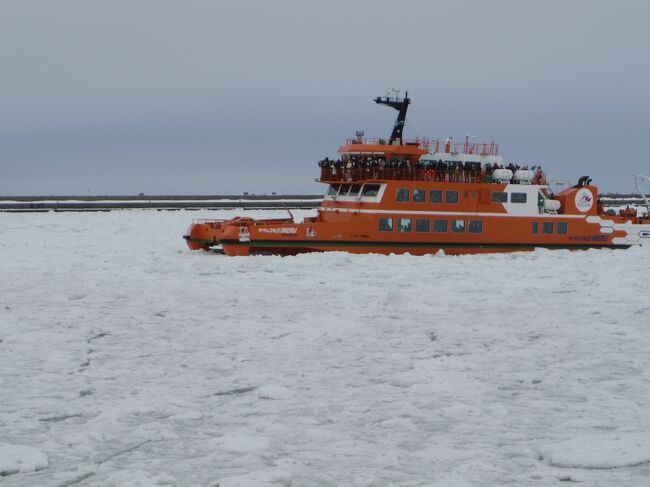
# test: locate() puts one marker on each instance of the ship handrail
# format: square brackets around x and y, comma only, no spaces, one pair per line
[466,147]
[460,175]
[203,221]
[437,145]
[239,221]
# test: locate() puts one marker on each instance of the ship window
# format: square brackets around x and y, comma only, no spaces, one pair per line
[404,225]
[535,228]
[354,189]
[547,228]
[334,188]
[435,196]
[451,197]
[440,226]
[344,190]
[385,224]
[499,197]
[421,225]
[458,226]
[562,228]
[518,197]
[403,195]
[475,226]
[419,195]
[370,190]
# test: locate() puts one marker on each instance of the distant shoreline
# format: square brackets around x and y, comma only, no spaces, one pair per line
[199,202]
[159,202]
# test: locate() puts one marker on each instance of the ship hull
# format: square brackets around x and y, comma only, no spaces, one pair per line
[422,217]
[284,239]
[295,248]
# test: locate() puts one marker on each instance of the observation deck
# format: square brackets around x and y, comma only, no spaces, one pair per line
[335,171]
[367,145]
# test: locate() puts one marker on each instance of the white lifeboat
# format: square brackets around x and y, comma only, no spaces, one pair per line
[551,206]
[524,176]
[502,175]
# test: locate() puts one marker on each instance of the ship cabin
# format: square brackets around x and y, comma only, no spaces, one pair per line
[367,168]
[470,174]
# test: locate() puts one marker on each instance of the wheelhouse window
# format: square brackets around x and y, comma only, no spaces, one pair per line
[475,226]
[451,197]
[333,190]
[385,224]
[440,226]
[458,226]
[404,225]
[562,228]
[344,190]
[402,195]
[518,197]
[421,225]
[435,196]
[547,228]
[354,190]
[370,190]
[535,228]
[419,195]
[499,197]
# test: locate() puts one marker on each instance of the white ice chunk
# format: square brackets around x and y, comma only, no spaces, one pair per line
[187,415]
[139,478]
[240,444]
[19,458]
[275,478]
[599,451]
[274,392]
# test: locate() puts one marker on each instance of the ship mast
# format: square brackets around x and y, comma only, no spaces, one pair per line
[401,106]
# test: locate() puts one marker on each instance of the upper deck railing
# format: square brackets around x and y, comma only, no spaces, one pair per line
[456,174]
[437,145]
[467,147]
[421,143]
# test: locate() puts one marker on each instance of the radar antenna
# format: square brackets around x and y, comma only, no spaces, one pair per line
[401,106]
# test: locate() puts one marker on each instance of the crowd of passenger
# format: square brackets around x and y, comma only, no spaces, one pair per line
[358,167]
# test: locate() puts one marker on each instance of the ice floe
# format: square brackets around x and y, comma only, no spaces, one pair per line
[611,450]
[128,360]
[20,459]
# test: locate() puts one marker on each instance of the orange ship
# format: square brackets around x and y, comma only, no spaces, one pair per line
[397,196]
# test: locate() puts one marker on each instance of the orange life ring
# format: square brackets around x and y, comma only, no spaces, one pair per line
[429,175]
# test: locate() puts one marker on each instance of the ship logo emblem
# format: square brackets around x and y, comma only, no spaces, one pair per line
[584,200]
[644,234]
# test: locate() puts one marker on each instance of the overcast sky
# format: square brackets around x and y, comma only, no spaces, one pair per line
[211,97]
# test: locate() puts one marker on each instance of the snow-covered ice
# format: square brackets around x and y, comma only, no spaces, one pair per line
[609,450]
[127,360]
[17,458]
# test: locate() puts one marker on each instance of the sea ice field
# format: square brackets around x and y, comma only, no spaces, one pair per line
[127,360]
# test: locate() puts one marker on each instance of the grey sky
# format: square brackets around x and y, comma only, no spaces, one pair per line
[203,97]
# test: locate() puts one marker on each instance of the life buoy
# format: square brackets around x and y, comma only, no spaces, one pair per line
[429,175]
